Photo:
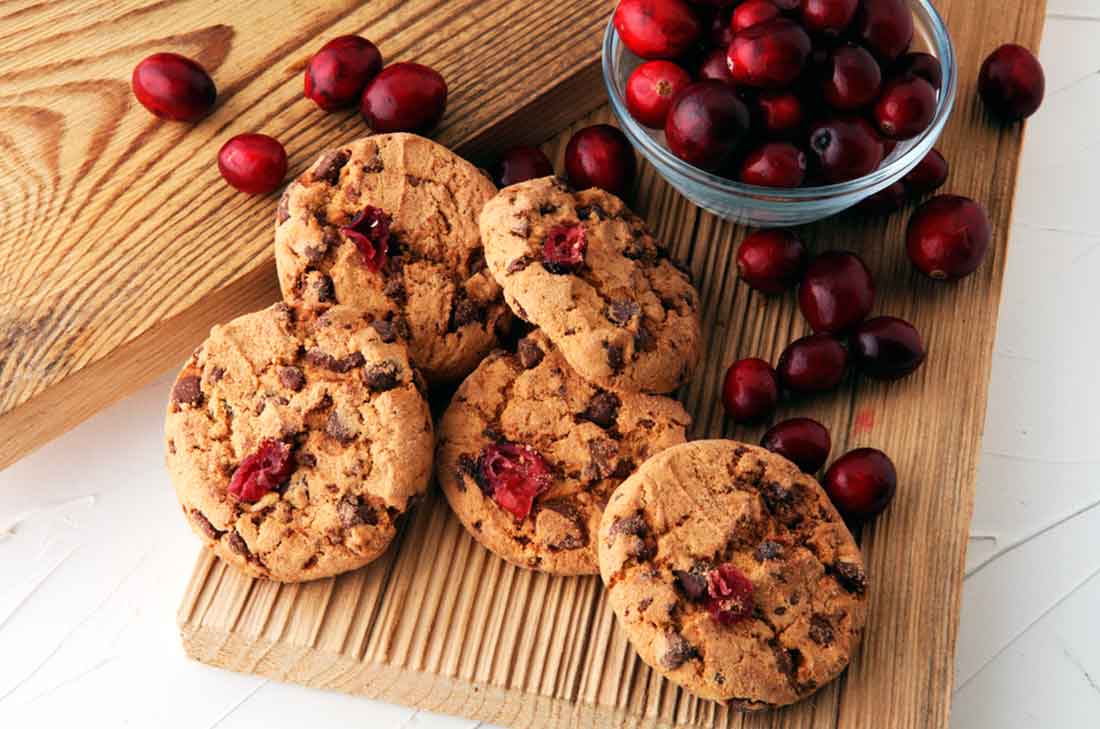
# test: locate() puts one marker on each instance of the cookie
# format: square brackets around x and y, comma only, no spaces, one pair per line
[389,223]
[586,271]
[732,574]
[297,440]
[529,453]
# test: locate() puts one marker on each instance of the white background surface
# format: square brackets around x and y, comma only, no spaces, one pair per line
[94,556]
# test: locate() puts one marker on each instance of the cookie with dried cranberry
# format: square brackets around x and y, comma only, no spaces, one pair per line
[389,223]
[529,453]
[587,271]
[296,440]
[732,574]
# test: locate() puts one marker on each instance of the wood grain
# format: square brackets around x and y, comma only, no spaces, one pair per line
[119,243]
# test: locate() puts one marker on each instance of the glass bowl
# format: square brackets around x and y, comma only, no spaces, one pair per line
[773,207]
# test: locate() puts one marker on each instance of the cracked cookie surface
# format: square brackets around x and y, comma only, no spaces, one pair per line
[696,506]
[590,438]
[586,270]
[336,393]
[432,274]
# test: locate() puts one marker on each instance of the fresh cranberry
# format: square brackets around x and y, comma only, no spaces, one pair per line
[337,74]
[948,237]
[906,107]
[719,30]
[752,12]
[522,163]
[928,176]
[404,97]
[600,156]
[650,89]
[853,79]
[771,261]
[812,364]
[253,163]
[174,87]
[778,113]
[1012,82]
[888,200]
[887,348]
[657,28]
[828,17]
[802,441]
[885,26]
[837,292]
[729,595]
[564,248]
[861,483]
[715,68]
[262,471]
[774,164]
[369,230]
[706,124]
[513,475]
[845,148]
[750,391]
[924,65]
[769,55]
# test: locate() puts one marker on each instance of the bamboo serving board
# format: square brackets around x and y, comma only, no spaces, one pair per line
[441,624]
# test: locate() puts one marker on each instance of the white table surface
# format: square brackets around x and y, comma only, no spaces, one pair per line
[94,556]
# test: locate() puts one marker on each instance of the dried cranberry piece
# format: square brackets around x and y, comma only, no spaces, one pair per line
[370,232]
[563,250]
[262,471]
[730,594]
[514,475]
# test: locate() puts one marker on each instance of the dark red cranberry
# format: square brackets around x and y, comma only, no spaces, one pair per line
[657,28]
[802,441]
[887,348]
[706,124]
[886,201]
[750,391]
[253,163]
[861,483]
[888,146]
[844,148]
[522,163]
[769,55]
[337,74]
[729,595]
[774,164]
[853,78]
[513,475]
[948,237]
[778,113]
[404,97]
[718,30]
[828,17]
[262,471]
[369,230]
[906,107]
[771,261]
[924,65]
[600,156]
[837,292]
[885,26]
[174,87]
[752,12]
[651,88]
[564,248]
[715,68]
[928,176]
[1012,82]
[812,364]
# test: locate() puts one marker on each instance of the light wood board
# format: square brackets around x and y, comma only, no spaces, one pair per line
[441,624]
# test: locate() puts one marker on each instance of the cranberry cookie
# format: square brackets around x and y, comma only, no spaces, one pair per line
[732,574]
[389,223]
[529,454]
[586,271]
[295,441]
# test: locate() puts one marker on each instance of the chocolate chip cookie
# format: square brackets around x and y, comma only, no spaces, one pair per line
[529,453]
[732,574]
[585,270]
[389,223]
[297,439]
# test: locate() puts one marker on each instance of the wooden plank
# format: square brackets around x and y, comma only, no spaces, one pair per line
[119,243]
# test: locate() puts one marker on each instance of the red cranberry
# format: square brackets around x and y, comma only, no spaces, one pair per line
[522,163]
[885,26]
[885,201]
[174,87]
[948,237]
[924,65]
[262,471]
[564,248]
[657,28]
[513,475]
[338,73]
[853,80]
[769,55]
[906,107]
[774,164]
[1012,82]
[404,97]
[369,230]
[253,163]
[729,595]
[750,391]
[650,89]
[771,261]
[887,348]
[812,364]
[600,156]
[802,441]
[861,483]
[719,30]
[752,12]
[837,292]
[845,148]
[828,17]
[928,176]
[715,68]
[778,113]
[706,124]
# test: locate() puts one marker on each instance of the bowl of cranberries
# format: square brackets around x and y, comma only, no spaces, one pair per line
[780,112]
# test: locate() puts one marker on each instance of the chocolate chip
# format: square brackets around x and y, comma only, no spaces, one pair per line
[353,511]
[624,468]
[768,550]
[585,212]
[529,353]
[644,340]
[394,289]
[238,545]
[464,312]
[779,499]
[282,213]
[519,264]
[381,376]
[677,651]
[821,630]
[693,584]
[547,209]
[615,357]
[631,525]
[603,409]
[620,313]
[324,290]
[188,391]
[313,255]
[324,360]
[385,330]
[644,604]
[330,237]
[413,180]
[305,459]
[375,165]
[216,374]
[205,526]
[336,429]
[329,166]
[602,453]
[851,577]
[292,378]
